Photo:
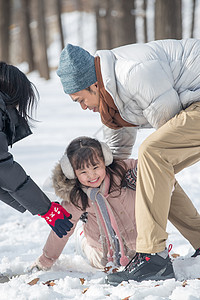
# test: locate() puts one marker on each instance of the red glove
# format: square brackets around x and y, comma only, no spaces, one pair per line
[58,219]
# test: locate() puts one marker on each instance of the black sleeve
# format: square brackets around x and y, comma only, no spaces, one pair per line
[8,199]
[15,181]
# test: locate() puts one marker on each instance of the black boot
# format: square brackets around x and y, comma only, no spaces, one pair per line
[143,267]
[3,278]
[196,253]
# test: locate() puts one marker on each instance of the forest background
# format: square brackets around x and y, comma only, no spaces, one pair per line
[29,27]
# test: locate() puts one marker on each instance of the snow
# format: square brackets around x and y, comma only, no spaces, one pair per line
[22,236]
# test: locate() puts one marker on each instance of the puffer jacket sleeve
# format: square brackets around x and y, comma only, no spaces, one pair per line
[16,186]
[151,84]
[8,199]
[120,141]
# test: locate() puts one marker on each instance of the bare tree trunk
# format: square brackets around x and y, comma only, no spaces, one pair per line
[80,9]
[145,20]
[58,4]
[26,39]
[5,13]
[43,66]
[123,22]
[168,19]
[115,23]
[193,18]
[103,24]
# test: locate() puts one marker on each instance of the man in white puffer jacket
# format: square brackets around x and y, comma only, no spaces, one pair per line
[153,85]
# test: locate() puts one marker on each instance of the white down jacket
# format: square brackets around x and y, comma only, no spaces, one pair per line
[152,82]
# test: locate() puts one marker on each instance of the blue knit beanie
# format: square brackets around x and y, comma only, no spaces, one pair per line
[76,69]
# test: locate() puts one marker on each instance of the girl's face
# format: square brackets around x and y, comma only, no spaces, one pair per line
[92,176]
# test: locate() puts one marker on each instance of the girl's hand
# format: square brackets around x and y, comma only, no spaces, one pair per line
[42,263]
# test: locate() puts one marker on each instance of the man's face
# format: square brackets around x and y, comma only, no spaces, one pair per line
[88,99]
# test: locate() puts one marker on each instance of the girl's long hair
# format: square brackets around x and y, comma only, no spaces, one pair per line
[85,151]
[17,91]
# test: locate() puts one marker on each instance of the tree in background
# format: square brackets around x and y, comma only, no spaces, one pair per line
[103,25]
[58,9]
[5,15]
[145,20]
[42,59]
[194,2]
[122,22]
[26,38]
[115,23]
[28,27]
[168,19]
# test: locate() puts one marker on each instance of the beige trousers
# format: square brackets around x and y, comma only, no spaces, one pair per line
[164,153]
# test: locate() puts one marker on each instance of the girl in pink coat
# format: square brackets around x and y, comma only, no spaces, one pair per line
[90,181]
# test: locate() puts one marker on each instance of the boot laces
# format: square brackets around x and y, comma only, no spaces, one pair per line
[135,261]
[141,257]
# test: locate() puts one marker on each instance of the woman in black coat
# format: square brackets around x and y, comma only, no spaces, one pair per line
[18,97]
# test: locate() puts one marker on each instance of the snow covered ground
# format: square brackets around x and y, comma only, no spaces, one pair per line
[22,236]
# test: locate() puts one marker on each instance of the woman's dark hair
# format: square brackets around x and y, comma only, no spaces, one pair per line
[17,90]
[85,151]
